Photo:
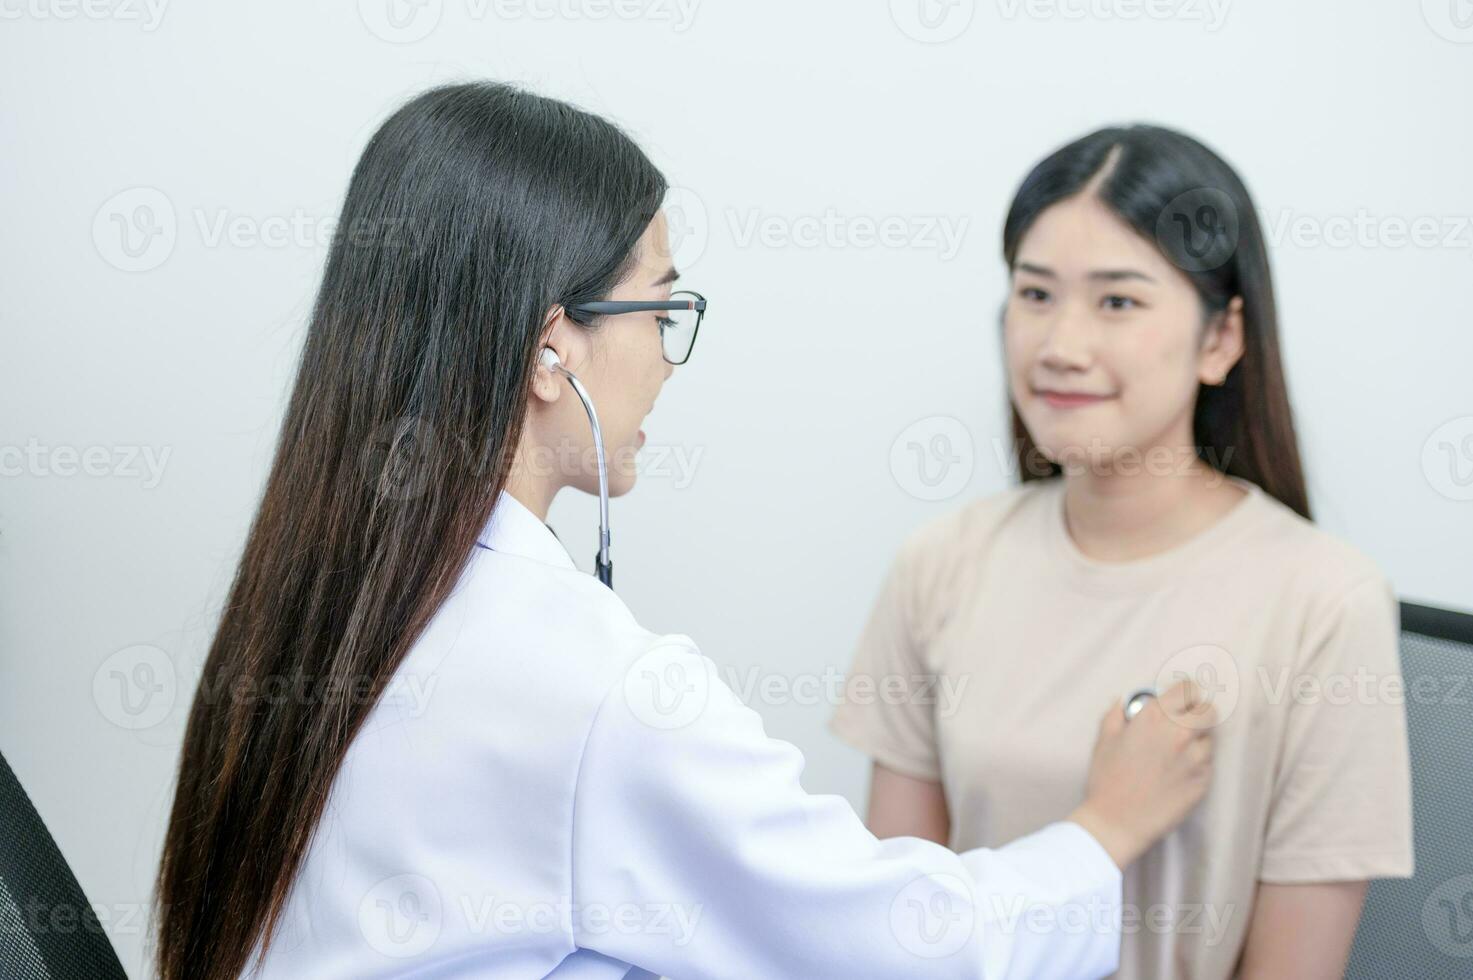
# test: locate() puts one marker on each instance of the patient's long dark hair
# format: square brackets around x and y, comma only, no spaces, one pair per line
[474,210]
[1184,198]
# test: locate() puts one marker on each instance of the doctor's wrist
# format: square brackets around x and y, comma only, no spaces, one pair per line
[1116,836]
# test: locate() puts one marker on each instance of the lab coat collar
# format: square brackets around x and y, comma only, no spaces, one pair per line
[515,530]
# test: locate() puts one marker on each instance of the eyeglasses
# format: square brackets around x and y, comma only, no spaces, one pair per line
[683,311]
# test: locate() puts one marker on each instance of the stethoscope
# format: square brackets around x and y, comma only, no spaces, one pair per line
[1136,702]
[603,568]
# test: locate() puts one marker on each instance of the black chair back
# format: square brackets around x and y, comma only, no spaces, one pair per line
[1421,928]
[48,931]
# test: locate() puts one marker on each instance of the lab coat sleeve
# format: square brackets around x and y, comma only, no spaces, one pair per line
[697,854]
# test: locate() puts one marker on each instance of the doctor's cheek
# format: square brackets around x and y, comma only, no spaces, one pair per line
[628,439]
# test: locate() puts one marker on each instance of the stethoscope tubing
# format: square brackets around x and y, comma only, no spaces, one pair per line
[602,566]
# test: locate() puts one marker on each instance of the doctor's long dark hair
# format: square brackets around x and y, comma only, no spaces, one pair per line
[1193,207]
[474,210]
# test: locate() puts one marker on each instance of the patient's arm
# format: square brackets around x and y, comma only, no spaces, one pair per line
[904,806]
[1302,931]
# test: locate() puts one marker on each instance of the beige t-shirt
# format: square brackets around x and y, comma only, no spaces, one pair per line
[996,644]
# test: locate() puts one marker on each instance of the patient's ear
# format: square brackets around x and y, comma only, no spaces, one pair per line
[1222,346]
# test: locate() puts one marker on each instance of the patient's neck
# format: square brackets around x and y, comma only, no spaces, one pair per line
[1123,517]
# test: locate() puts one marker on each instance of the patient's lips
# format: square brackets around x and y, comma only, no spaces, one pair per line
[1070,399]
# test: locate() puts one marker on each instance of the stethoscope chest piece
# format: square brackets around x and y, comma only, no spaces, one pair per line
[1137,701]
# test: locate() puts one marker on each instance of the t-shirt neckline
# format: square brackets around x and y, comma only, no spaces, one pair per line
[1153,570]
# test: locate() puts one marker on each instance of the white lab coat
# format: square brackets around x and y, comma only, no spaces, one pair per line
[546,789]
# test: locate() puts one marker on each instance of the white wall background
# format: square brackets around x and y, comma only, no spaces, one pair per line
[238,124]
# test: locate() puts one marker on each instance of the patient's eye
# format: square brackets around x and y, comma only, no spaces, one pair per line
[1117,302]
[1033,294]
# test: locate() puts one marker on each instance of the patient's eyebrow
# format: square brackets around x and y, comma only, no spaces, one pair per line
[1116,275]
[1100,275]
[670,276]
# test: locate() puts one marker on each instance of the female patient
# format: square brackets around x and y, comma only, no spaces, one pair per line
[1160,529]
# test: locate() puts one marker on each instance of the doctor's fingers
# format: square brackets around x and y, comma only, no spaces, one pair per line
[1186,705]
[1181,697]
[1113,721]
[1203,718]
[1199,719]
[1199,753]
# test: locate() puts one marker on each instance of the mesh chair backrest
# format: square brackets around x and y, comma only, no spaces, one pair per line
[48,931]
[1421,928]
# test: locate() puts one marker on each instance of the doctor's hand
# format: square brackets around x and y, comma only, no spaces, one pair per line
[1148,773]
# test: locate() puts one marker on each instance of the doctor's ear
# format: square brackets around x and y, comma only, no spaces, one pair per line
[554,349]
[547,384]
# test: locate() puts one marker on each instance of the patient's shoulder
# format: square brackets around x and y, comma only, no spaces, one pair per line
[1314,565]
[940,550]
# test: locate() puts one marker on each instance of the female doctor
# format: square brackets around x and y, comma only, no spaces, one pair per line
[425,744]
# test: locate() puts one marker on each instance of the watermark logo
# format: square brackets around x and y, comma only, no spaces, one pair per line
[486,914]
[1361,686]
[1214,671]
[1101,459]
[942,693]
[401,916]
[1211,14]
[400,457]
[675,463]
[135,687]
[939,233]
[1447,458]
[689,226]
[1451,20]
[135,230]
[1198,230]
[401,21]
[933,21]
[1447,917]
[669,686]
[407,21]
[37,459]
[679,14]
[1363,229]
[933,458]
[41,915]
[933,916]
[148,14]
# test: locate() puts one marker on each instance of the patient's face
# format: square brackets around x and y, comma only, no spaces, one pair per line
[1102,335]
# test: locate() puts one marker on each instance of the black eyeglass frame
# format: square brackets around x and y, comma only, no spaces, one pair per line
[610,307]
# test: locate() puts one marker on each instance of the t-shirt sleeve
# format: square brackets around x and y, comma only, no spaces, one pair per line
[1342,796]
[886,711]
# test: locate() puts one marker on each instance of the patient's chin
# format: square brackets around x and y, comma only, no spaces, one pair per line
[1064,441]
